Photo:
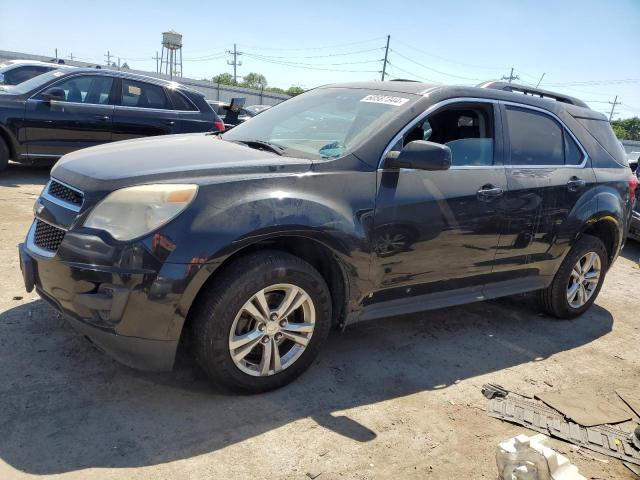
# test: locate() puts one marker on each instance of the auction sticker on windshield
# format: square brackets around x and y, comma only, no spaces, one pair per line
[385,99]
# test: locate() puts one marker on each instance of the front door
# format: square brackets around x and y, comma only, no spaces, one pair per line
[144,110]
[82,120]
[437,231]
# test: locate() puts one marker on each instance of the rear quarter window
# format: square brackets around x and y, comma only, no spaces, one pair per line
[180,102]
[603,133]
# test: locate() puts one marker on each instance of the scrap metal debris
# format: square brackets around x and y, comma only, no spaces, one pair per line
[605,439]
[583,406]
[525,457]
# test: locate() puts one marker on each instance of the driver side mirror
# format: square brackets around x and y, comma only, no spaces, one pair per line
[420,155]
[53,93]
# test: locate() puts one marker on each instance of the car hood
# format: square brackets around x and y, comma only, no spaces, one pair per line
[197,158]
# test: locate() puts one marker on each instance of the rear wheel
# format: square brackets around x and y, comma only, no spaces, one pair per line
[578,280]
[4,154]
[263,322]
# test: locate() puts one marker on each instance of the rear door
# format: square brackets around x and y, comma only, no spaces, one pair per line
[83,119]
[143,110]
[548,173]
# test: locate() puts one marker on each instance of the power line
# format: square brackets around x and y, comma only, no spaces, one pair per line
[395,67]
[307,67]
[260,57]
[447,59]
[315,48]
[433,69]
[275,57]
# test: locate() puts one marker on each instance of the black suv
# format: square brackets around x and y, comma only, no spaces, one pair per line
[64,110]
[348,202]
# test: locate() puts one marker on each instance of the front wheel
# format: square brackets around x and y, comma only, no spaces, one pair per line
[262,323]
[578,280]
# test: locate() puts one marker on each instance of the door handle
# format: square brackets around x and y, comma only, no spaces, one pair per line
[489,192]
[104,118]
[574,184]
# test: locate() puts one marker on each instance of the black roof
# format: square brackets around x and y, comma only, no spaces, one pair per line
[491,90]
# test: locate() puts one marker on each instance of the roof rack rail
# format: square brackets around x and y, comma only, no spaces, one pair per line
[403,80]
[537,92]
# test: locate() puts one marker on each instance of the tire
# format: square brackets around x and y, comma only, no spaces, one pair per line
[222,320]
[4,155]
[555,299]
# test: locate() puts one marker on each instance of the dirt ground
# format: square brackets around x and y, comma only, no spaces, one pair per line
[398,398]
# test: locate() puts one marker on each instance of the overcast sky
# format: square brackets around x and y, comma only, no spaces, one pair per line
[586,48]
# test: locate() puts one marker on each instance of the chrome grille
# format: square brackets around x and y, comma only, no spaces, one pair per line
[47,236]
[64,193]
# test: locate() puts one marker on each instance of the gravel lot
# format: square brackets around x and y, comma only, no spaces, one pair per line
[398,398]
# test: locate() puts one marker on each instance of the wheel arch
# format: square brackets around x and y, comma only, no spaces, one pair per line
[318,254]
[6,136]
[609,230]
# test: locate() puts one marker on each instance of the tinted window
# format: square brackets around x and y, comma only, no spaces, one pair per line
[572,154]
[20,74]
[143,95]
[602,132]
[179,101]
[86,89]
[536,139]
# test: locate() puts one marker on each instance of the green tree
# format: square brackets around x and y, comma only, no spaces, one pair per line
[627,129]
[223,79]
[254,80]
[276,90]
[294,90]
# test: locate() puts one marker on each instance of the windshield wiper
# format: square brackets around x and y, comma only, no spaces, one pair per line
[262,145]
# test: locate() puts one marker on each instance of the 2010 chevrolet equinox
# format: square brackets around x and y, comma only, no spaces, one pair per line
[349,202]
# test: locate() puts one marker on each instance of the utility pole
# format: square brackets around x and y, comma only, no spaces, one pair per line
[386,55]
[234,62]
[156,58]
[613,107]
[71,56]
[511,76]
[56,55]
[108,57]
[118,63]
[540,81]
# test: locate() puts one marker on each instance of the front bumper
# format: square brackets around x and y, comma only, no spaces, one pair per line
[126,313]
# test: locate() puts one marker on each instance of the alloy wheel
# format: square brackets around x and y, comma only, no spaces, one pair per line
[583,280]
[272,330]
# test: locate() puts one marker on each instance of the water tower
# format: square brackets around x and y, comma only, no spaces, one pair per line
[171,50]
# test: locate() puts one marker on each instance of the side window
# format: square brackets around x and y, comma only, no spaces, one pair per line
[535,138]
[143,95]
[180,102]
[93,89]
[572,154]
[22,74]
[468,130]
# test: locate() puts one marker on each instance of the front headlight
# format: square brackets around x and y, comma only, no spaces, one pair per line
[135,211]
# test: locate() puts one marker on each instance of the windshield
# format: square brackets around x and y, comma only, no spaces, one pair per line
[33,83]
[323,123]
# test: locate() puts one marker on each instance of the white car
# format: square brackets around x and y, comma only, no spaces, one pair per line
[14,72]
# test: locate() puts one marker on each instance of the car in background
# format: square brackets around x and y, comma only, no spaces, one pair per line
[253,110]
[68,109]
[245,113]
[634,228]
[14,72]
